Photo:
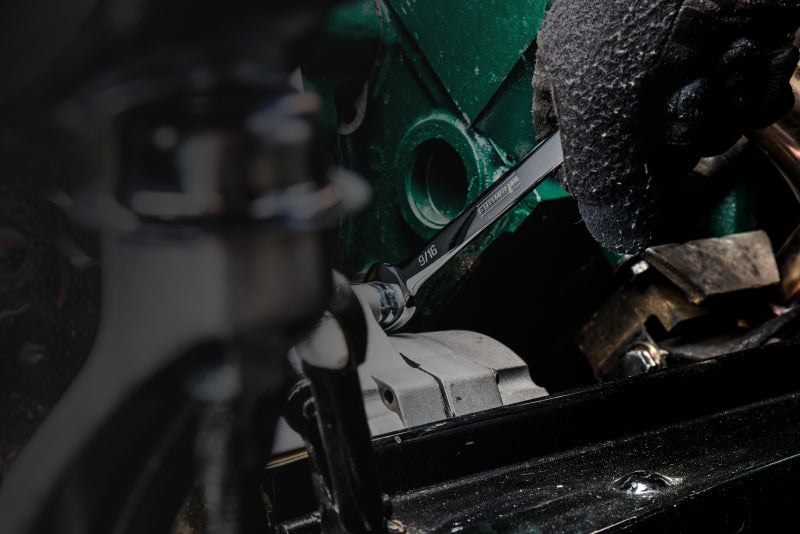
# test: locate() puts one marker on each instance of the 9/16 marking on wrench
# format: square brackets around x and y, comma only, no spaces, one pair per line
[427,256]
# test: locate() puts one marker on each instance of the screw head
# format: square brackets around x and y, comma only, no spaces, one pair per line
[642,357]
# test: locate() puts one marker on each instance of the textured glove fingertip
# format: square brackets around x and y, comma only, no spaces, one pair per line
[626,228]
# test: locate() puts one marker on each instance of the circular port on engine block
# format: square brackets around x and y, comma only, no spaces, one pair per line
[439,184]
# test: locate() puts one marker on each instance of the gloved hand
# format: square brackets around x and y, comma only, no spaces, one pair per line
[641,89]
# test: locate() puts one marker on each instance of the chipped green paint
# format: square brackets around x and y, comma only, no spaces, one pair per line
[432,101]
[472,45]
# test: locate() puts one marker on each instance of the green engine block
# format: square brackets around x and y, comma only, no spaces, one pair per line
[430,102]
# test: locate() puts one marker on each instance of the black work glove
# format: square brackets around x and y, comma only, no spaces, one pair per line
[641,89]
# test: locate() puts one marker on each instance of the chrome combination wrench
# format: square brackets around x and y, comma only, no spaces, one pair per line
[390,290]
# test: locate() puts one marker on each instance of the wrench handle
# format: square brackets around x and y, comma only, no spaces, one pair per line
[504,194]
[393,287]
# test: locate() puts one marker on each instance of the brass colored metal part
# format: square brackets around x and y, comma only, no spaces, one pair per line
[619,323]
[781,141]
[679,279]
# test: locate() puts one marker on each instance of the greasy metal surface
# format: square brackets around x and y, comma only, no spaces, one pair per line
[414,379]
[508,435]
[611,484]
[636,452]
[395,394]
[620,321]
[714,266]
[466,386]
[511,374]
[474,371]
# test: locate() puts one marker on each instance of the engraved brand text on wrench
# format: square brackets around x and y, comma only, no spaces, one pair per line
[505,190]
